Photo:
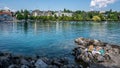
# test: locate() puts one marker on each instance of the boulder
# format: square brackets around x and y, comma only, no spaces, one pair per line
[64,61]
[108,46]
[108,53]
[77,51]
[46,60]
[24,62]
[116,51]
[15,60]
[40,64]
[13,66]
[57,62]
[5,61]
[52,66]
[24,66]
[100,58]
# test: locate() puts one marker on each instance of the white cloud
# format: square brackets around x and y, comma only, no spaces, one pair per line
[6,8]
[13,10]
[100,3]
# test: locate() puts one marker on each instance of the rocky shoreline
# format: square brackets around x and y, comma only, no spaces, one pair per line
[8,60]
[96,54]
[87,54]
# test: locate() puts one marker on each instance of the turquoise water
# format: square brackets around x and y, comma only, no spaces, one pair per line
[53,39]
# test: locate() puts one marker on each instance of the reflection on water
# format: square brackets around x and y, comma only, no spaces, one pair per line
[25,27]
[53,39]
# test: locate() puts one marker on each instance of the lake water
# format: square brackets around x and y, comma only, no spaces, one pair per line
[53,39]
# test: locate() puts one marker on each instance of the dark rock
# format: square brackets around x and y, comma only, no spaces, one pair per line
[24,66]
[53,66]
[24,62]
[15,60]
[70,66]
[107,58]
[56,62]
[64,61]
[1,54]
[13,66]
[5,61]
[77,51]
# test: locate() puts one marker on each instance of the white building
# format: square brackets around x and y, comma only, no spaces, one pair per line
[59,14]
[41,13]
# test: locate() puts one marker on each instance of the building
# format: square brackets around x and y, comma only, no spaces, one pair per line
[36,13]
[47,13]
[60,13]
[102,12]
[6,16]
[41,13]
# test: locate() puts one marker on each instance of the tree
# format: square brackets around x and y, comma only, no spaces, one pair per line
[102,17]
[96,18]
[26,14]
[76,16]
[22,14]
[19,15]
[67,10]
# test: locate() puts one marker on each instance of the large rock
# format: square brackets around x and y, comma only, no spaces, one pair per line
[46,60]
[15,60]
[24,66]
[40,64]
[64,61]
[52,66]
[5,61]
[108,57]
[13,66]
[25,62]
[56,62]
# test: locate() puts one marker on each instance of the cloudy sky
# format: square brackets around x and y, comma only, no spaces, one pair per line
[61,4]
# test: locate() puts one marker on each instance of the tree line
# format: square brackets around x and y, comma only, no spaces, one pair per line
[77,16]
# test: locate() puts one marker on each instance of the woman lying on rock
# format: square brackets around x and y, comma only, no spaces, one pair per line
[97,52]
[92,54]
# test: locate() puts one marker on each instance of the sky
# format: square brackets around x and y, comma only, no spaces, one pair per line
[85,5]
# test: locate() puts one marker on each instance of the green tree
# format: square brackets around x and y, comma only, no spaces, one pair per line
[96,18]
[102,17]
[67,10]
[19,15]
[26,14]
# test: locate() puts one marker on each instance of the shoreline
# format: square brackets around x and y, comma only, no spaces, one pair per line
[59,21]
[8,60]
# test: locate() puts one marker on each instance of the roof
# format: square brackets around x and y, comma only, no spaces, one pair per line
[9,13]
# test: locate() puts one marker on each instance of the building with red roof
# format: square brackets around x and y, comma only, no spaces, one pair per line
[6,16]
